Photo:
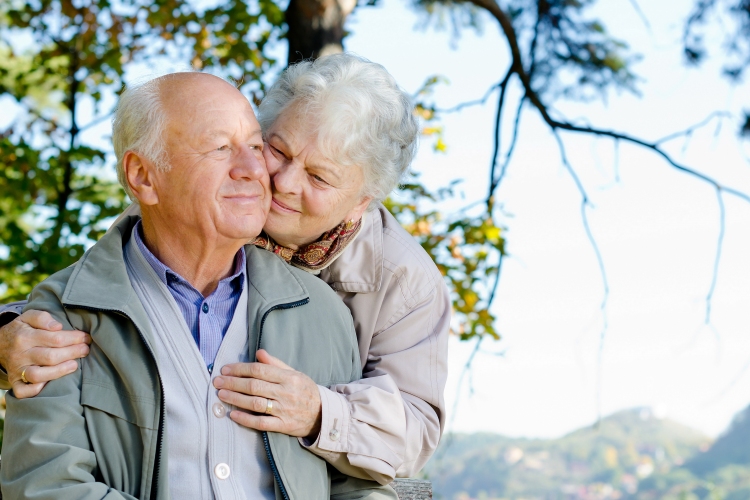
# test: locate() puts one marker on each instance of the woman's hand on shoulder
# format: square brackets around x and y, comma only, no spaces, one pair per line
[34,346]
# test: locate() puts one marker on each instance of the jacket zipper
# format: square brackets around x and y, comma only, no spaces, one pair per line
[160,440]
[159,435]
[266,444]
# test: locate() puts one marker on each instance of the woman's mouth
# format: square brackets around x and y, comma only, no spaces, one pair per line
[280,207]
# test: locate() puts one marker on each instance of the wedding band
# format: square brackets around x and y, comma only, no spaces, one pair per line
[23,376]
[269,407]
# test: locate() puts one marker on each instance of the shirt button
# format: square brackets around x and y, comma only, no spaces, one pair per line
[333,435]
[219,410]
[222,471]
[205,308]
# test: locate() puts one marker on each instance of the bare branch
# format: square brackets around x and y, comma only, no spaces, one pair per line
[640,13]
[602,271]
[689,131]
[719,245]
[498,123]
[96,121]
[467,104]
[512,146]
[517,66]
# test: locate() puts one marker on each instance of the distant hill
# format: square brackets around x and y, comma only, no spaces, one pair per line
[609,461]
[732,448]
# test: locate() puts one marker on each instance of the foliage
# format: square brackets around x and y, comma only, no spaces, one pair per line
[467,250]
[733,16]
[57,190]
[467,247]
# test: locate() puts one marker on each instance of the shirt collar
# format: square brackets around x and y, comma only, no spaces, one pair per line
[166,275]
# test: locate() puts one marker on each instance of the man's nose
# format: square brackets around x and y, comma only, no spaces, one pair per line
[248,164]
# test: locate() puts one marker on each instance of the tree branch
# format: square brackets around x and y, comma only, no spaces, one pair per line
[467,104]
[719,245]
[689,131]
[517,67]
[512,146]
[498,123]
[602,271]
[640,13]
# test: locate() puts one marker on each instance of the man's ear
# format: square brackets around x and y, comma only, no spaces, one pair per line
[140,175]
[356,212]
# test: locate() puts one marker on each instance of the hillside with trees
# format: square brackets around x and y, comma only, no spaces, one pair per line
[632,454]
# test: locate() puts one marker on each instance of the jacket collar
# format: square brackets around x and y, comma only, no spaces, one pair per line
[100,279]
[359,268]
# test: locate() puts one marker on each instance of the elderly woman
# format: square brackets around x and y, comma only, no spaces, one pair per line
[339,136]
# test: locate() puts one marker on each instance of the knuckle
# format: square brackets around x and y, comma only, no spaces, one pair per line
[47,357]
[57,340]
[253,387]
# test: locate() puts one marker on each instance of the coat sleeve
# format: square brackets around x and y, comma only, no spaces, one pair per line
[389,423]
[46,451]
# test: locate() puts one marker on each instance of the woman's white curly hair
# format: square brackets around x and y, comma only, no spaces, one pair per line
[362,116]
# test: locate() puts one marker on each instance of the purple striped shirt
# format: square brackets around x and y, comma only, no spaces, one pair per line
[207,318]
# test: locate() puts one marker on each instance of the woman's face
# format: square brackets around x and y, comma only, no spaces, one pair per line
[311,194]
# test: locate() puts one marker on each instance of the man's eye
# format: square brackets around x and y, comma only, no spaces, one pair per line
[222,148]
[319,179]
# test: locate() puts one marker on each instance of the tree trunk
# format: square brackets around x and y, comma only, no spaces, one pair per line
[316,27]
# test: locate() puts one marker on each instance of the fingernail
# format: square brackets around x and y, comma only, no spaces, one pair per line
[224,370]
[53,324]
[218,382]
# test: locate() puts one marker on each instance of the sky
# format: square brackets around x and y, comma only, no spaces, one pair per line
[657,229]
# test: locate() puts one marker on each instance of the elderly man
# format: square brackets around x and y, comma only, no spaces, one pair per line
[167,297]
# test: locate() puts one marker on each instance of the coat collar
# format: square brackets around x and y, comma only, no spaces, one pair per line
[100,279]
[359,268]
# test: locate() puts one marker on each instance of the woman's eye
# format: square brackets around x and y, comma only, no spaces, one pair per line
[319,179]
[222,148]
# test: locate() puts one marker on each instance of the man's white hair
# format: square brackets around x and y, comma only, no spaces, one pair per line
[361,115]
[138,125]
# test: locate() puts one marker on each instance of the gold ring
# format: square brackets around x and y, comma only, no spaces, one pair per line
[23,376]
[269,407]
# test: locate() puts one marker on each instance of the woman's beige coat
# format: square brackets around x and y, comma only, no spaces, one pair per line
[389,423]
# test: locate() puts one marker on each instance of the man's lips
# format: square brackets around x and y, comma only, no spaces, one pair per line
[243,198]
[284,208]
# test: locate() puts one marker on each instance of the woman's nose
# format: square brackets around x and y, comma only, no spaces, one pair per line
[286,178]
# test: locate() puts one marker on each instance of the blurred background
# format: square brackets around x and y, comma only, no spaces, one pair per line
[582,182]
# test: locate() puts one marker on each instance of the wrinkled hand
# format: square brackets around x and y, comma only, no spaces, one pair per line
[36,342]
[295,397]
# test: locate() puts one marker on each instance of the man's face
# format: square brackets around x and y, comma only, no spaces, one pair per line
[218,186]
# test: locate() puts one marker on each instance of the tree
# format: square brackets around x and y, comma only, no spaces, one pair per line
[57,56]
[57,192]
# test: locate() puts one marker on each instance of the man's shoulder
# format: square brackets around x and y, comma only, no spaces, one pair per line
[318,290]
[54,284]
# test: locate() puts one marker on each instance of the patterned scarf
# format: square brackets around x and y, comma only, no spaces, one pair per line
[318,254]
